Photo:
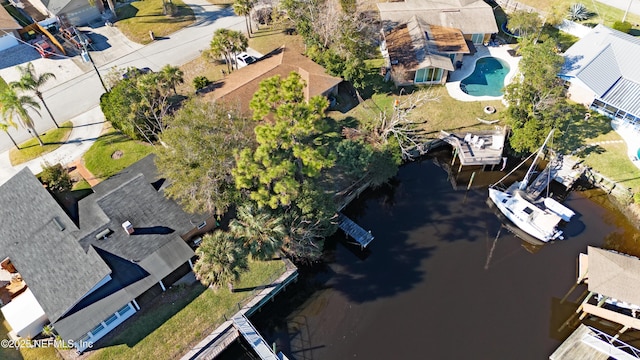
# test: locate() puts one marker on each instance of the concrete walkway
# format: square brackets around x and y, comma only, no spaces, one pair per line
[86,128]
[469,64]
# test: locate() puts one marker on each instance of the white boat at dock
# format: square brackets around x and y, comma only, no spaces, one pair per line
[538,217]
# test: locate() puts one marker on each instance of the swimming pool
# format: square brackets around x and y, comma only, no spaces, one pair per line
[487,78]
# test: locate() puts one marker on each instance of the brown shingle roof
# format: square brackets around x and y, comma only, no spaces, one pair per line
[416,45]
[7,22]
[238,88]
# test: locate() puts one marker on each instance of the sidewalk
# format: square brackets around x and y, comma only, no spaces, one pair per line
[86,129]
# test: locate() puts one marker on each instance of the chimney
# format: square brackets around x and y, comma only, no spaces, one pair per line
[127,227]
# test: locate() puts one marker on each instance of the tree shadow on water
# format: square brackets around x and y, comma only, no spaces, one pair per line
[410,218]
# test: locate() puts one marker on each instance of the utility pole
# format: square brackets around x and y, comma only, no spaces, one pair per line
[627,11]
[86,57]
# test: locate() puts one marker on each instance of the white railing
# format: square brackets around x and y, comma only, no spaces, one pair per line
[615,342]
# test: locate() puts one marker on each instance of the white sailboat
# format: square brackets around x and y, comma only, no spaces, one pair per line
[537,217]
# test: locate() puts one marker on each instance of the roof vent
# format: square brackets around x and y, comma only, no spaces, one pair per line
[103,234]
[58,223]
[128,227]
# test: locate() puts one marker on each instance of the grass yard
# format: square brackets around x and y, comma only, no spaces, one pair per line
[23,354]
[137,18]
[200,66]
[30,149]
[611,160]
[267,40]
[182,317]
[437,113]
[602,13]
[98,159]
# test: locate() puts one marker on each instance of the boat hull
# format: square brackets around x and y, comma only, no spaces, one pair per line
[527,217]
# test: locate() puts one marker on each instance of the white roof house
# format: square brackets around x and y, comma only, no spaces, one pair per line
[603,71]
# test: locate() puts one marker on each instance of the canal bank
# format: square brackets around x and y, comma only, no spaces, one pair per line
[431,285]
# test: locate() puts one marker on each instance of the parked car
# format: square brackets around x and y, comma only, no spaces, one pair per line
[44,48]
[133,72]
[245,59]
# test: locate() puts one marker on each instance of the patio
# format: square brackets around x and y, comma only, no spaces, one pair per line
[469,62]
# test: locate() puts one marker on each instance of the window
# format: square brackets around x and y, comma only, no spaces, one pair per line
[125,309]
[528,210]
[421,76]
[96,330]
[111,319]
[477,38]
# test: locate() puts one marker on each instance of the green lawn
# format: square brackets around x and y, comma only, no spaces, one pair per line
[23,354]
[137,18]
[602,13]
[611,160]
[30,149]
[267,40]
[98,159]
[183,318]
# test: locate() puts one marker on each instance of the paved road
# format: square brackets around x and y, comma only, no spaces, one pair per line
[81,93]
[632,5]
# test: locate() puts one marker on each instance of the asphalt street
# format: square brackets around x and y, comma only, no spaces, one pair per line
[632,5]
[76,95]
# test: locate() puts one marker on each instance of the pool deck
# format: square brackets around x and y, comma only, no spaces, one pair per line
[469,64]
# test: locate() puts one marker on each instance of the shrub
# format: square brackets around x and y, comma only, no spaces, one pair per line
[578,12]
[56,178]
[200,82]
[636,198]
[623,26]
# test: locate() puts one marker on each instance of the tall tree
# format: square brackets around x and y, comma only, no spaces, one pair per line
[221,259]
[173,76]
[525,23]
[535,95]
[14,106]
[243,8]
[291,148]
[201,140]
[227,43]
[261,232]
[30,81]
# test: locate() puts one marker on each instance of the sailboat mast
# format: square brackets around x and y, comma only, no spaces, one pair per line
[525,182]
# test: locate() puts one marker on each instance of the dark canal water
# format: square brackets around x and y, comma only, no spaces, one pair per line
[430,286]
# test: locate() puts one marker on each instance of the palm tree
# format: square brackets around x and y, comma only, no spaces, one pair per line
[30,81]
[262,234]
[173,76]
[13,105]
[227,43]
[243,8]
[4,126]
[221,259]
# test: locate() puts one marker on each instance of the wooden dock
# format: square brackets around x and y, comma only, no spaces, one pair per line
[561,169]
[354,230]
[224,335]
[478,148]
[587,343]
[254,339]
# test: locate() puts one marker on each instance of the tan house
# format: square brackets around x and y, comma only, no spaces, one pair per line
[237,88]
[474,18]
[419,53]
[8,30]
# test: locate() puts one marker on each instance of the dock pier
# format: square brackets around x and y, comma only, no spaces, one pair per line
[354,230]
[254,339]
[562,169]
[225,334]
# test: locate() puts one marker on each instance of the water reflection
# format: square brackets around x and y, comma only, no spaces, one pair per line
[437,281]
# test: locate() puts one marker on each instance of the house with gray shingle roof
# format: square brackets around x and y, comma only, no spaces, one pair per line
[85,273]
[603,73]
